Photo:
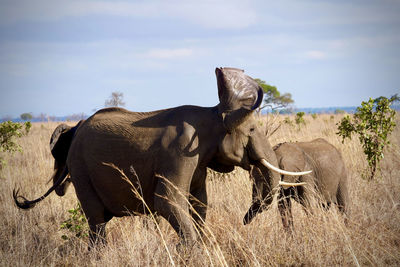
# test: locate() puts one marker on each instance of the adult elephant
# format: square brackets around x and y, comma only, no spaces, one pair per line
[164,155]
[328,178]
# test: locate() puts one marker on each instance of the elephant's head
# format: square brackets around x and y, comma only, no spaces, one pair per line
[292,165]
[239,96]
[243,143]
[291,158]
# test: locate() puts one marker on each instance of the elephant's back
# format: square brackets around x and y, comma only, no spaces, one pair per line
[107,147]
[110,137]
[322,151]
[328,165]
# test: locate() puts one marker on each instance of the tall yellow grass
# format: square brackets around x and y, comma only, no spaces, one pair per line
[371,236]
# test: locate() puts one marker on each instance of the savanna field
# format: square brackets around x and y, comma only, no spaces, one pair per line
[371,236]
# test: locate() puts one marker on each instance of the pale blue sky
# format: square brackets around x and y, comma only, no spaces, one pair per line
[66,57]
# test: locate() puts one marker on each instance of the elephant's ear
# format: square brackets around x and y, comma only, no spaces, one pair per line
[60,141]
[237,90]
[238,94]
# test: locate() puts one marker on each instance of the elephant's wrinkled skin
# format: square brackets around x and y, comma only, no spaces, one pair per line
[328,178]
[164,154]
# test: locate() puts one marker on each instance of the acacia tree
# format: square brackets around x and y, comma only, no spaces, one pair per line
[115,100]
[273,98]
[26,116]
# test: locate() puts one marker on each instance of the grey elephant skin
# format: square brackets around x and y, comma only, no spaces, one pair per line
[164,155]
[328,178]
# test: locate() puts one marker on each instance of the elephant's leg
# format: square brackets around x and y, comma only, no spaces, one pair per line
[258,203]
[94,210]
[198,212]
[341,202]
[97,234]
[342,196]
[285,209]
[303,197]
[306,193]
[198,198]
[343,199]
[172,204]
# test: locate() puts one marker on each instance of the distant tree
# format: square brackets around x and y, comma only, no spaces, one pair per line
[42,117]
[76,117]
[339,111]
[26,116]
[273,98]
[115,100]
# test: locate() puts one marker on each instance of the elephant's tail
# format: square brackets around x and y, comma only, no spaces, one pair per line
[27,204]
[60,143]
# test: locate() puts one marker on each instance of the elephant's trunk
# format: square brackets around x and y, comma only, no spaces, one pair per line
[265,180]
[252,212]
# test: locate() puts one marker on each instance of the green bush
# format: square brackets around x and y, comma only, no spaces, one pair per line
[373,122]
[288,121]
[299,119]
[9,131]
[76,224]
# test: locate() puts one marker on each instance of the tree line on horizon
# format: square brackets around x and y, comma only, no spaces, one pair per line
[274,102]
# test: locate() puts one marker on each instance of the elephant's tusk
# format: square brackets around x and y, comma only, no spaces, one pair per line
[272,167]
[286,184]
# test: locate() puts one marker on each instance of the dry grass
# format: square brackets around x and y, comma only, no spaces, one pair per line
[371,237]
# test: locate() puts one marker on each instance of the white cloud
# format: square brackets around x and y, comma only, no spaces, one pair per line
[210,14]
[315,54]
[169,53]
[217,14]
[225,14]
[328,13]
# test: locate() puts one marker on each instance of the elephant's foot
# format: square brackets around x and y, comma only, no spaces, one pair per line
[97,236]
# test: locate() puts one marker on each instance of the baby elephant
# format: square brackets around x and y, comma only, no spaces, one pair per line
[328,177]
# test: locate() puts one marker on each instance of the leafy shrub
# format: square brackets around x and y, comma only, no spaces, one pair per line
[76,224]
[8,132]
[299,119]
[288,121]
[373,122]
[314,116]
